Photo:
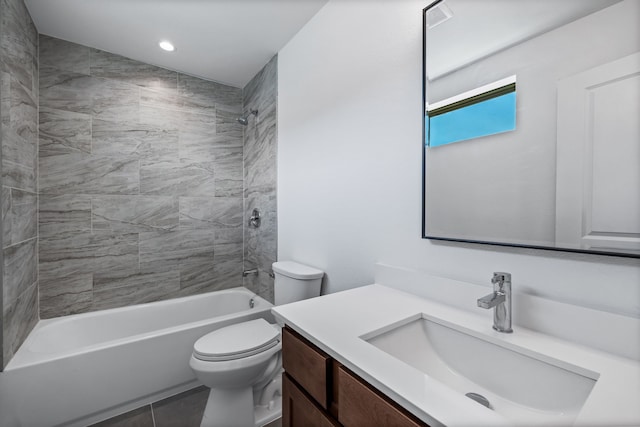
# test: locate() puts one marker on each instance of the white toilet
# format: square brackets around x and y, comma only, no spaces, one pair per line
[242,363]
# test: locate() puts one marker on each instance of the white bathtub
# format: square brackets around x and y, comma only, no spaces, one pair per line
[80,369]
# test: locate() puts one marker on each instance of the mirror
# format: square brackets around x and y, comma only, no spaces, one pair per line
[531,131]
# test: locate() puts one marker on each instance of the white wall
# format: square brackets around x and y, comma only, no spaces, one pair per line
[349,166]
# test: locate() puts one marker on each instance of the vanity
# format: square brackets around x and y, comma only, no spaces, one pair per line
[319,391]
[377,355]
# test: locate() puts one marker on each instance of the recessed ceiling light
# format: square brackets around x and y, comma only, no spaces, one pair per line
[166,45]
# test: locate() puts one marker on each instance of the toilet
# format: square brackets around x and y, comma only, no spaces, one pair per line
[242,363]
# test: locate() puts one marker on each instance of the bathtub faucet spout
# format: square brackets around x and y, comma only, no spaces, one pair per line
[245,273]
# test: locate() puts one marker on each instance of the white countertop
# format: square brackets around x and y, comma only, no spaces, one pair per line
[336,322]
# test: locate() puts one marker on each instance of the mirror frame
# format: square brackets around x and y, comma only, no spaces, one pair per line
[424,188]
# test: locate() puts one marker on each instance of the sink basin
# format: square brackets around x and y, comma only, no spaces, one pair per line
[526,387]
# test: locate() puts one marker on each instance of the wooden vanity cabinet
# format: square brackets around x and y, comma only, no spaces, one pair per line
[299,409]
[317,391]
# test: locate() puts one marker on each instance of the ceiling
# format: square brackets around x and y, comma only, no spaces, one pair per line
[228,41]
[479,28]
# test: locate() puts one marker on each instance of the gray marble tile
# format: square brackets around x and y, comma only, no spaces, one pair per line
[174,178]
[260,170]
[198,272]
[115,101]
[122,139]
[263,87]
[62,296]
[198,179]
[65,255]
[260,139]
[18,42]
[18,319]
[108,65]
[20,66]
[20,269]
[5,98]
[132,214]
[24,112]
[196,131]
[252,281]
[160,98]
[64,214]
[63,55]
[228,236]
[66,90]
[261,284]
[19,176]
[140,417]
[136,288]
[227,273]
[63,132]
[261,243]
[160,118]
[16,149]
[228,260]
[35,67]
[201,146]
[162,178]
[20,219]
[229,132]
[166,251]
[117,279]
[184,410]
[88,174]
[228,167]
[210,212]
[220,270]
[207,93]
[5,204]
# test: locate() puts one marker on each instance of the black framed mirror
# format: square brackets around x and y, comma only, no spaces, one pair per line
[531,131]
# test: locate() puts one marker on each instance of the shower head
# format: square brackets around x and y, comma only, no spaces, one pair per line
[244,120]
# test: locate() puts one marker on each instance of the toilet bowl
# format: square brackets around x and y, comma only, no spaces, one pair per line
[236,362]
[242,363]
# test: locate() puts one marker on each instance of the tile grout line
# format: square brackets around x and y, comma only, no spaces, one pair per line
[153,416]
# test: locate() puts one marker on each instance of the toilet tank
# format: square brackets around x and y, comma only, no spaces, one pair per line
[295,282]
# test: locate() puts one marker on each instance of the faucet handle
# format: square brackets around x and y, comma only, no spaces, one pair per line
[501,277]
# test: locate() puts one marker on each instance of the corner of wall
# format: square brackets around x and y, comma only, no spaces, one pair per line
[19,141]
[260,139]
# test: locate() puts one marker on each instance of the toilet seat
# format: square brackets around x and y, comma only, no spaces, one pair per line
[237,341]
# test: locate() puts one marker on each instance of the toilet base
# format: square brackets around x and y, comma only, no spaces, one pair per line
[226,408]
[263,415]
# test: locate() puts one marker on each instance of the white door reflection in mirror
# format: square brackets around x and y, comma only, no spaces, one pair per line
[598,181]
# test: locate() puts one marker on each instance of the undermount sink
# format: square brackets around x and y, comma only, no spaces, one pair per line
[526,387]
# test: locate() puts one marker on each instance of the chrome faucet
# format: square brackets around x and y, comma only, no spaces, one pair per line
[245,273]
[500,301]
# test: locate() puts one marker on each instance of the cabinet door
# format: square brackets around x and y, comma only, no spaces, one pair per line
[360,405]
[299,410]
[308,366]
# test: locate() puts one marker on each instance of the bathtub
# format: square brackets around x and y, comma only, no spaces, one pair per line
[80,369]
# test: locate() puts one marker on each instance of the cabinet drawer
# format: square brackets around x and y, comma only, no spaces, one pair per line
[307,365]
[299,410]
[362,406]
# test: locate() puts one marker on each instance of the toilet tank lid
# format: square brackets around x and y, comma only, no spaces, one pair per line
[296,271]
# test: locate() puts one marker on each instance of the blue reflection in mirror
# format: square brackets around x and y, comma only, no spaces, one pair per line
[489,117]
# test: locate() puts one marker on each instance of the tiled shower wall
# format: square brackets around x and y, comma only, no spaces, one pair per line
[19,127]
[260,143]
[141,183]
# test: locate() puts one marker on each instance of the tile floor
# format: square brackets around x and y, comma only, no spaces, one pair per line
[182,410]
